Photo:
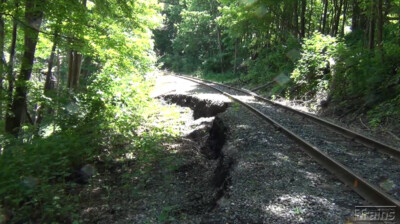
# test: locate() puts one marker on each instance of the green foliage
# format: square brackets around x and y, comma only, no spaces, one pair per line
[383,113]
[34,174]
[333,57]
[274,64]
[187,49]
[312,71]
[107,118]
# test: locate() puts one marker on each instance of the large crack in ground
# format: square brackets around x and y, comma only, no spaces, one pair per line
[246,173]
[210,135]
[188,180]
[200,107]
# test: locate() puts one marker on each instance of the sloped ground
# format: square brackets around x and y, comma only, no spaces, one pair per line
[232,168]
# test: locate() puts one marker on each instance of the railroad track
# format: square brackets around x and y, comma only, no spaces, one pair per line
[339,150]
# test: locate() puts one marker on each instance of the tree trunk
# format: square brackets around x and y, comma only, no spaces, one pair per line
[324,18]
[303,19]
[48,84]
[355,24]
[2,60]
[74,65]
[10,69]
[57,87]
[338,9]
[221,60]
[296,18]
[77,69]
[380,23]
[235,59]
[310,28]
[70,68]
[333,18]
[33,16]
[371,43]
[74,69]
[344,17]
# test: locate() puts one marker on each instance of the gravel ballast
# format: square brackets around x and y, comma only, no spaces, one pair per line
[380,169]
[272,180]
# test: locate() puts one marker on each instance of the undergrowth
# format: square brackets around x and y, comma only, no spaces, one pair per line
[43,173]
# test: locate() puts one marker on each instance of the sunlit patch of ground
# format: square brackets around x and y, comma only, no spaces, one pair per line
[168,84]
[295,206]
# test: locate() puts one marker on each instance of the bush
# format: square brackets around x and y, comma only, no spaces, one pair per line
[34,175]
[312,72]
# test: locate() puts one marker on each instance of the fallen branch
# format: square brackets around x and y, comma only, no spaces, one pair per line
[364,125]
[392,134]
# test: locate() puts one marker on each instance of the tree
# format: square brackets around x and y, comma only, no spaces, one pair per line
[324,16]
[371,31]
[380,22]
[303,19]
[3,64]
[10,66]
[33,17]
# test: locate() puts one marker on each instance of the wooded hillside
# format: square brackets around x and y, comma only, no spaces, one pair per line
[341,51]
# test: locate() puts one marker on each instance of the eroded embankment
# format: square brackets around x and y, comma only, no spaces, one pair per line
[200,107]
[210,135]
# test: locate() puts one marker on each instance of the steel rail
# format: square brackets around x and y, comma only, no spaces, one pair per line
[369,142]
[357,183]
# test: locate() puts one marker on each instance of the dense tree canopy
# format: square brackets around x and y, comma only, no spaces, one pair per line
[346,49]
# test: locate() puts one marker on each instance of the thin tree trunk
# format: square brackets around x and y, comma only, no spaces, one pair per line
[2,59]
[296,18]
[235,60]
[337,18]
[333,18]
[74,65]
[344,17]
[324,18]
[371,43]
[10,69]
[57,87]
[77,69]
[303,19]
[289,17]
[221,60]
[356,16]
[70,68]
[74,69]
[310,29]
[33,16]
[47,85]
[48,82]
[380,23]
